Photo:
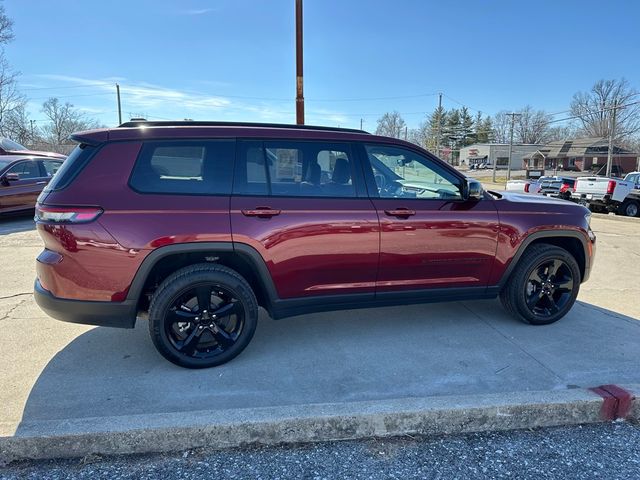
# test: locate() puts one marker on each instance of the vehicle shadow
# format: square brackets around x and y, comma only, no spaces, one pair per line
[411,351]
[15,223]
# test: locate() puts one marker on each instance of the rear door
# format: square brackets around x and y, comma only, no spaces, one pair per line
[302,206]
[430,238]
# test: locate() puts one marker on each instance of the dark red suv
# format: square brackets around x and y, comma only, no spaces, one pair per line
[200,223]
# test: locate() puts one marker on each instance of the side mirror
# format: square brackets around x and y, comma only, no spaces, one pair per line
[472,190]
[9,177]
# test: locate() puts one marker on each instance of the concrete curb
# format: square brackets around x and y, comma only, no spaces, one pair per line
[303,423]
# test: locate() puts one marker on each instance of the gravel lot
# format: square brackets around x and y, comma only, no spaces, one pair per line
[609,451]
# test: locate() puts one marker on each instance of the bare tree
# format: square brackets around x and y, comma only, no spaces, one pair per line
[501,123]
[10,98]
[594,109]
[16,126]
[6,27]
[391,124]
[531,126]
[64,119]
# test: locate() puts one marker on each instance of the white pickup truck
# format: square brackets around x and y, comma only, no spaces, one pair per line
[603,194]
[523,186]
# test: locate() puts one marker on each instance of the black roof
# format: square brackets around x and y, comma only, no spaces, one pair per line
[198,123]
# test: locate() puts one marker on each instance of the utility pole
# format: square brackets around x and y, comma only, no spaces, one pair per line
[439,125]
[406,130]
[361,124]
[299,75]
[612,130]
[119,105]
[513,119]
[33,137]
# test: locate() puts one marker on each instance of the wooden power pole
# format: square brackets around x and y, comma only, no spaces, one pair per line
[299,75]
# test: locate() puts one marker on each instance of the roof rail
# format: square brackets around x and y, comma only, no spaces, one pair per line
[197,123]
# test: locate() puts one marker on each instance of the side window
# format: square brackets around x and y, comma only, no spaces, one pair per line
[26,170]
[51,167]
[184,167]
[294,169]
[250,174]
[402,173]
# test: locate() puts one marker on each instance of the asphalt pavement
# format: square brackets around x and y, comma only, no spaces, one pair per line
[610,451]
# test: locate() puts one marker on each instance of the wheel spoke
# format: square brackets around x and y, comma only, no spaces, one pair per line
[181,316]
[189,344]
[535,277]
[225,310]
[553,268]
[552,308]
[534,299]
[222,337]
[204,298]
[564,285]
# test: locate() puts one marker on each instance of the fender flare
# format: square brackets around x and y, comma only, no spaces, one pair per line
[248,253]
[547,234]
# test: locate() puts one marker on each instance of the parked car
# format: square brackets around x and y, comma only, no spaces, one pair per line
[22,179]
[560,187]
[605,194]
[199,223]
[9,147]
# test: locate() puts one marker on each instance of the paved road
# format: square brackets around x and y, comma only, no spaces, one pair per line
[60,371]
[610,451]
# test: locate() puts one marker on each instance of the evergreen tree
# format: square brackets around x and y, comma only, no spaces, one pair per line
[467,132]
[437,126]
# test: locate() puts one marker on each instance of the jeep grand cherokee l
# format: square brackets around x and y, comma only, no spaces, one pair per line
[200,223]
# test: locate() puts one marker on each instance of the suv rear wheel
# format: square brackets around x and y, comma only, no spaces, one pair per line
[544,285]
[202,316]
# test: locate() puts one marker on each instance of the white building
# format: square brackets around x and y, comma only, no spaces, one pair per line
[498,154]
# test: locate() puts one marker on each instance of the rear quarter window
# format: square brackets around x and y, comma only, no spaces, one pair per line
[184,167]
[70,168]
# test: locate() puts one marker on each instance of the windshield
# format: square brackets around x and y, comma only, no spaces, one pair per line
[4,163]
[11,145]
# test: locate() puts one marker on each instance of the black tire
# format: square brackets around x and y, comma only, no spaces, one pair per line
[630,208]
[538,261]
[203,339]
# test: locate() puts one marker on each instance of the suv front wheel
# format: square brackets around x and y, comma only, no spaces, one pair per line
[544,285]
[202,316]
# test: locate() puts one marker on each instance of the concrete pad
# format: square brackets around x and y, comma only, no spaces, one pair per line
[57,374]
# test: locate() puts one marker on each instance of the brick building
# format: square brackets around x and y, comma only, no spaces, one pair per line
[581,155]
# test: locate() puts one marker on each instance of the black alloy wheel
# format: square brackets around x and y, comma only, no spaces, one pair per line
[549,288]
[543,286]
[202,316]
[204,321]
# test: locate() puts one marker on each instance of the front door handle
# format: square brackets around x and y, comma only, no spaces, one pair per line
[41,183]
[400,212]
[261,212]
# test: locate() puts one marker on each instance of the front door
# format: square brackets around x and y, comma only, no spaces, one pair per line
[302,206]
[430,237]
[21,194]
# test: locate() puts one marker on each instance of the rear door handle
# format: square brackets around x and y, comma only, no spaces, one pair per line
[41,183]
[261,212]
[400,212]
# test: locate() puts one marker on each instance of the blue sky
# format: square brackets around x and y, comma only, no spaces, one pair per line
[234,59]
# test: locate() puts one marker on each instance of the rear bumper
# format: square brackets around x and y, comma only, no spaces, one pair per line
[105,314]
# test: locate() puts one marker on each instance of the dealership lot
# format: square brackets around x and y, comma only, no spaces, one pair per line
[57,371]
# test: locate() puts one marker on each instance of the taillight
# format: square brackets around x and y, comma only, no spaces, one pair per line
[526,187]
[564,187]
[66,214]
[611,187]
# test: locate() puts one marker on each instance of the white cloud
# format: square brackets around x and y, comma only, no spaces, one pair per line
[198,11]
